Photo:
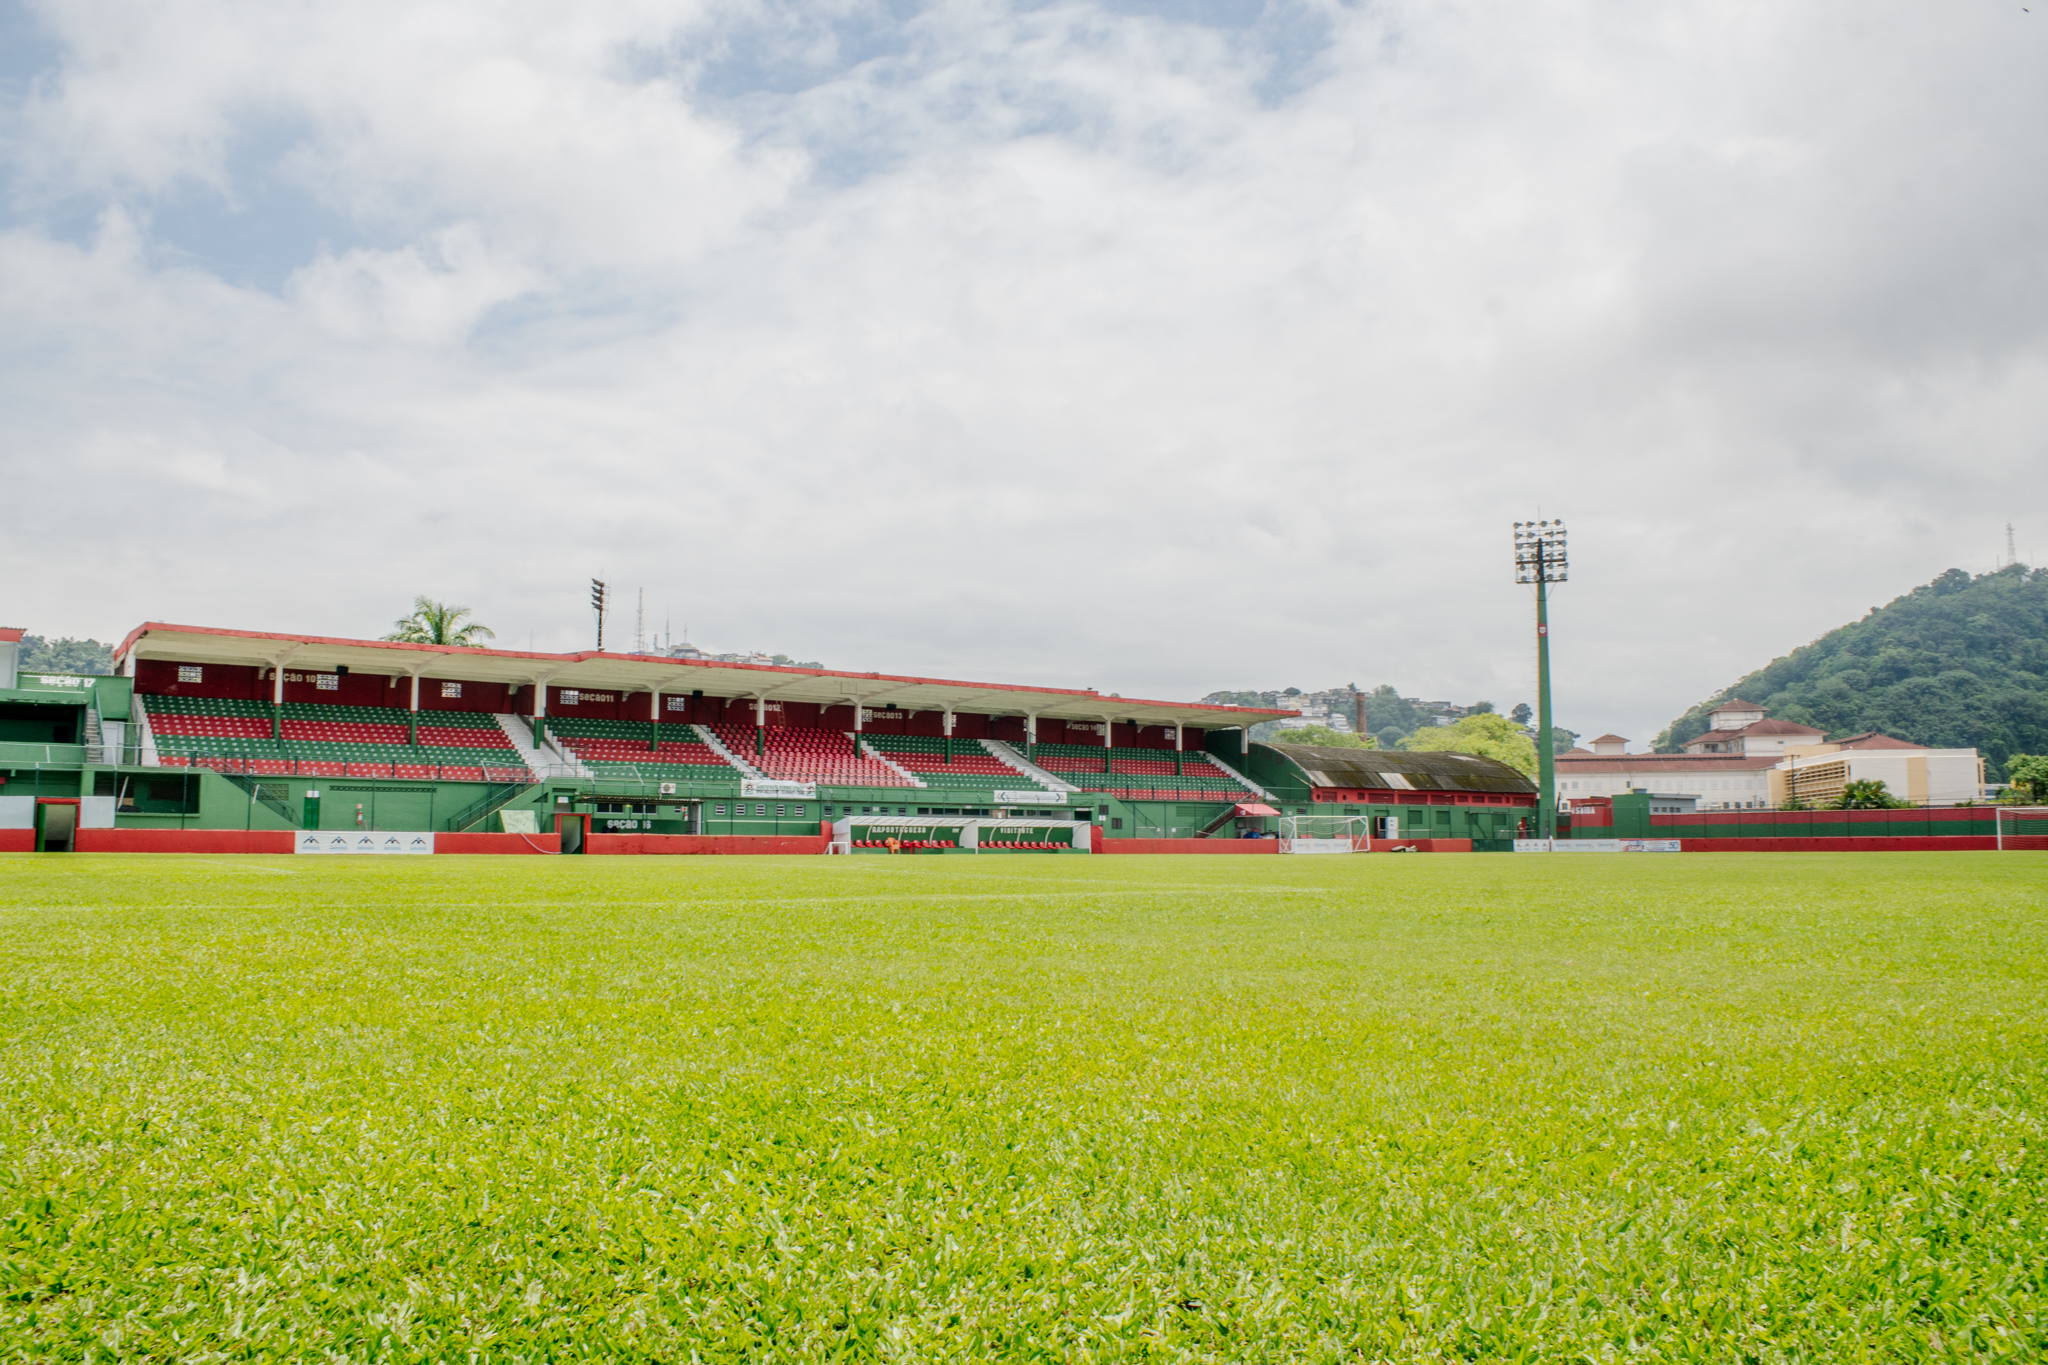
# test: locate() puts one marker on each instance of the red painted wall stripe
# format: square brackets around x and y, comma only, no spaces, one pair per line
[1910,843]
[184,841]
[497,843]
[1188,846]
[706,843]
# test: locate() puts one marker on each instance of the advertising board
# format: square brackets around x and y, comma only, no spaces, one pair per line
[1596,846]
[364,841]
[768,789]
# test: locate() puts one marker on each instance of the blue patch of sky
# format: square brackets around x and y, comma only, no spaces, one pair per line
[26,52]
[256,234]
[756,71]
[267,224]
[1289,37]
[803,47]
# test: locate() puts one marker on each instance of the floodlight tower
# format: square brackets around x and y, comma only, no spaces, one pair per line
[1540,559]
[598,605]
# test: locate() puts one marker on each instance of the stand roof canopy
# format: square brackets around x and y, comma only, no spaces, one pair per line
[649,672]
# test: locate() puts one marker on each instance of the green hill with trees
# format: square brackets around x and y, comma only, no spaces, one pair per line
[66,655]
[1961,662]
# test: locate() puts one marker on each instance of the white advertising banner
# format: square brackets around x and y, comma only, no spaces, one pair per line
[1318,846]
[364,841]
[1034,797]
[767,790]
[1596,846]
[17,812]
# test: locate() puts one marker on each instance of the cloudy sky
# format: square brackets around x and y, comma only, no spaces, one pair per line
[1157,347]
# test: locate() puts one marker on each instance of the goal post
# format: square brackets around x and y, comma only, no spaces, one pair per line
[1325,833]
[2019,822]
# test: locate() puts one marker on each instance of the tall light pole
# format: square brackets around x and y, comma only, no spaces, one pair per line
[600,605]
[1540,559]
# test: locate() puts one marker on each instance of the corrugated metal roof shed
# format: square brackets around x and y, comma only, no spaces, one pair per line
[1400,770]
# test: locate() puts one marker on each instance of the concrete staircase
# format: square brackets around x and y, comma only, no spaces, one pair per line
[1235,775]
[1038,776]
[150,758]
[542,761]
[717,746]
[867,750]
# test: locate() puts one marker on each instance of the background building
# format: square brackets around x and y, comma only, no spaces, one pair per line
[1814,774]
[1749,762]
[1740,727]
[1717,781]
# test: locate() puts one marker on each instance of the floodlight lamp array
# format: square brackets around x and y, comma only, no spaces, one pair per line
[1540,552]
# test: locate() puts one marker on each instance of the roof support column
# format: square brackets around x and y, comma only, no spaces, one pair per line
[1177,760]
[540,709]
[1108,727]
[1030,732]
[277,663]
[946,723]
[654,721]
[413,719]
[760,725]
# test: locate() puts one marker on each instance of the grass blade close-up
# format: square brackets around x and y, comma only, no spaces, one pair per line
[1304,1109]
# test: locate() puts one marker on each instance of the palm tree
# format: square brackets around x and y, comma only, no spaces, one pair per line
[437,623]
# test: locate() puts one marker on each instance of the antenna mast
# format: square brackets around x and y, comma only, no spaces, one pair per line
[2012,556]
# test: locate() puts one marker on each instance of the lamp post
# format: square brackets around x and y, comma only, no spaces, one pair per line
[599,605]
[1540,559]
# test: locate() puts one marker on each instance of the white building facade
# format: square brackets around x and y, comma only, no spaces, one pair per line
[1748,762]
[1716,781]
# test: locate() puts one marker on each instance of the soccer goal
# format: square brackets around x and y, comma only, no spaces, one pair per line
[2020,822]
[1325,833]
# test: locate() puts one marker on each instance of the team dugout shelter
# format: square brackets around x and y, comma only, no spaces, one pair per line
[208,728]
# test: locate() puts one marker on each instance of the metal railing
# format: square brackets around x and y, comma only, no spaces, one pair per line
[236,766]
[258,796]
[481,809]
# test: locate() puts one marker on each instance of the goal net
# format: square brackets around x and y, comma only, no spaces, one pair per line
[2022,826]
[1325,833]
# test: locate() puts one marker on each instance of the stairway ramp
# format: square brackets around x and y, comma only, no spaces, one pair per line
[867,750]
[1008,756]
[1236,775]
[544,762]
[717,746]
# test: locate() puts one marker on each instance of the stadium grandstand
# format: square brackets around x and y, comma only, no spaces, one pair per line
[205,728]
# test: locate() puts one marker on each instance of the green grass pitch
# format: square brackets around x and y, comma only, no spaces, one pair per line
[1696,1108]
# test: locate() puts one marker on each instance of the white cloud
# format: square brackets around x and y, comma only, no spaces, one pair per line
[411,295]
[1045,342]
